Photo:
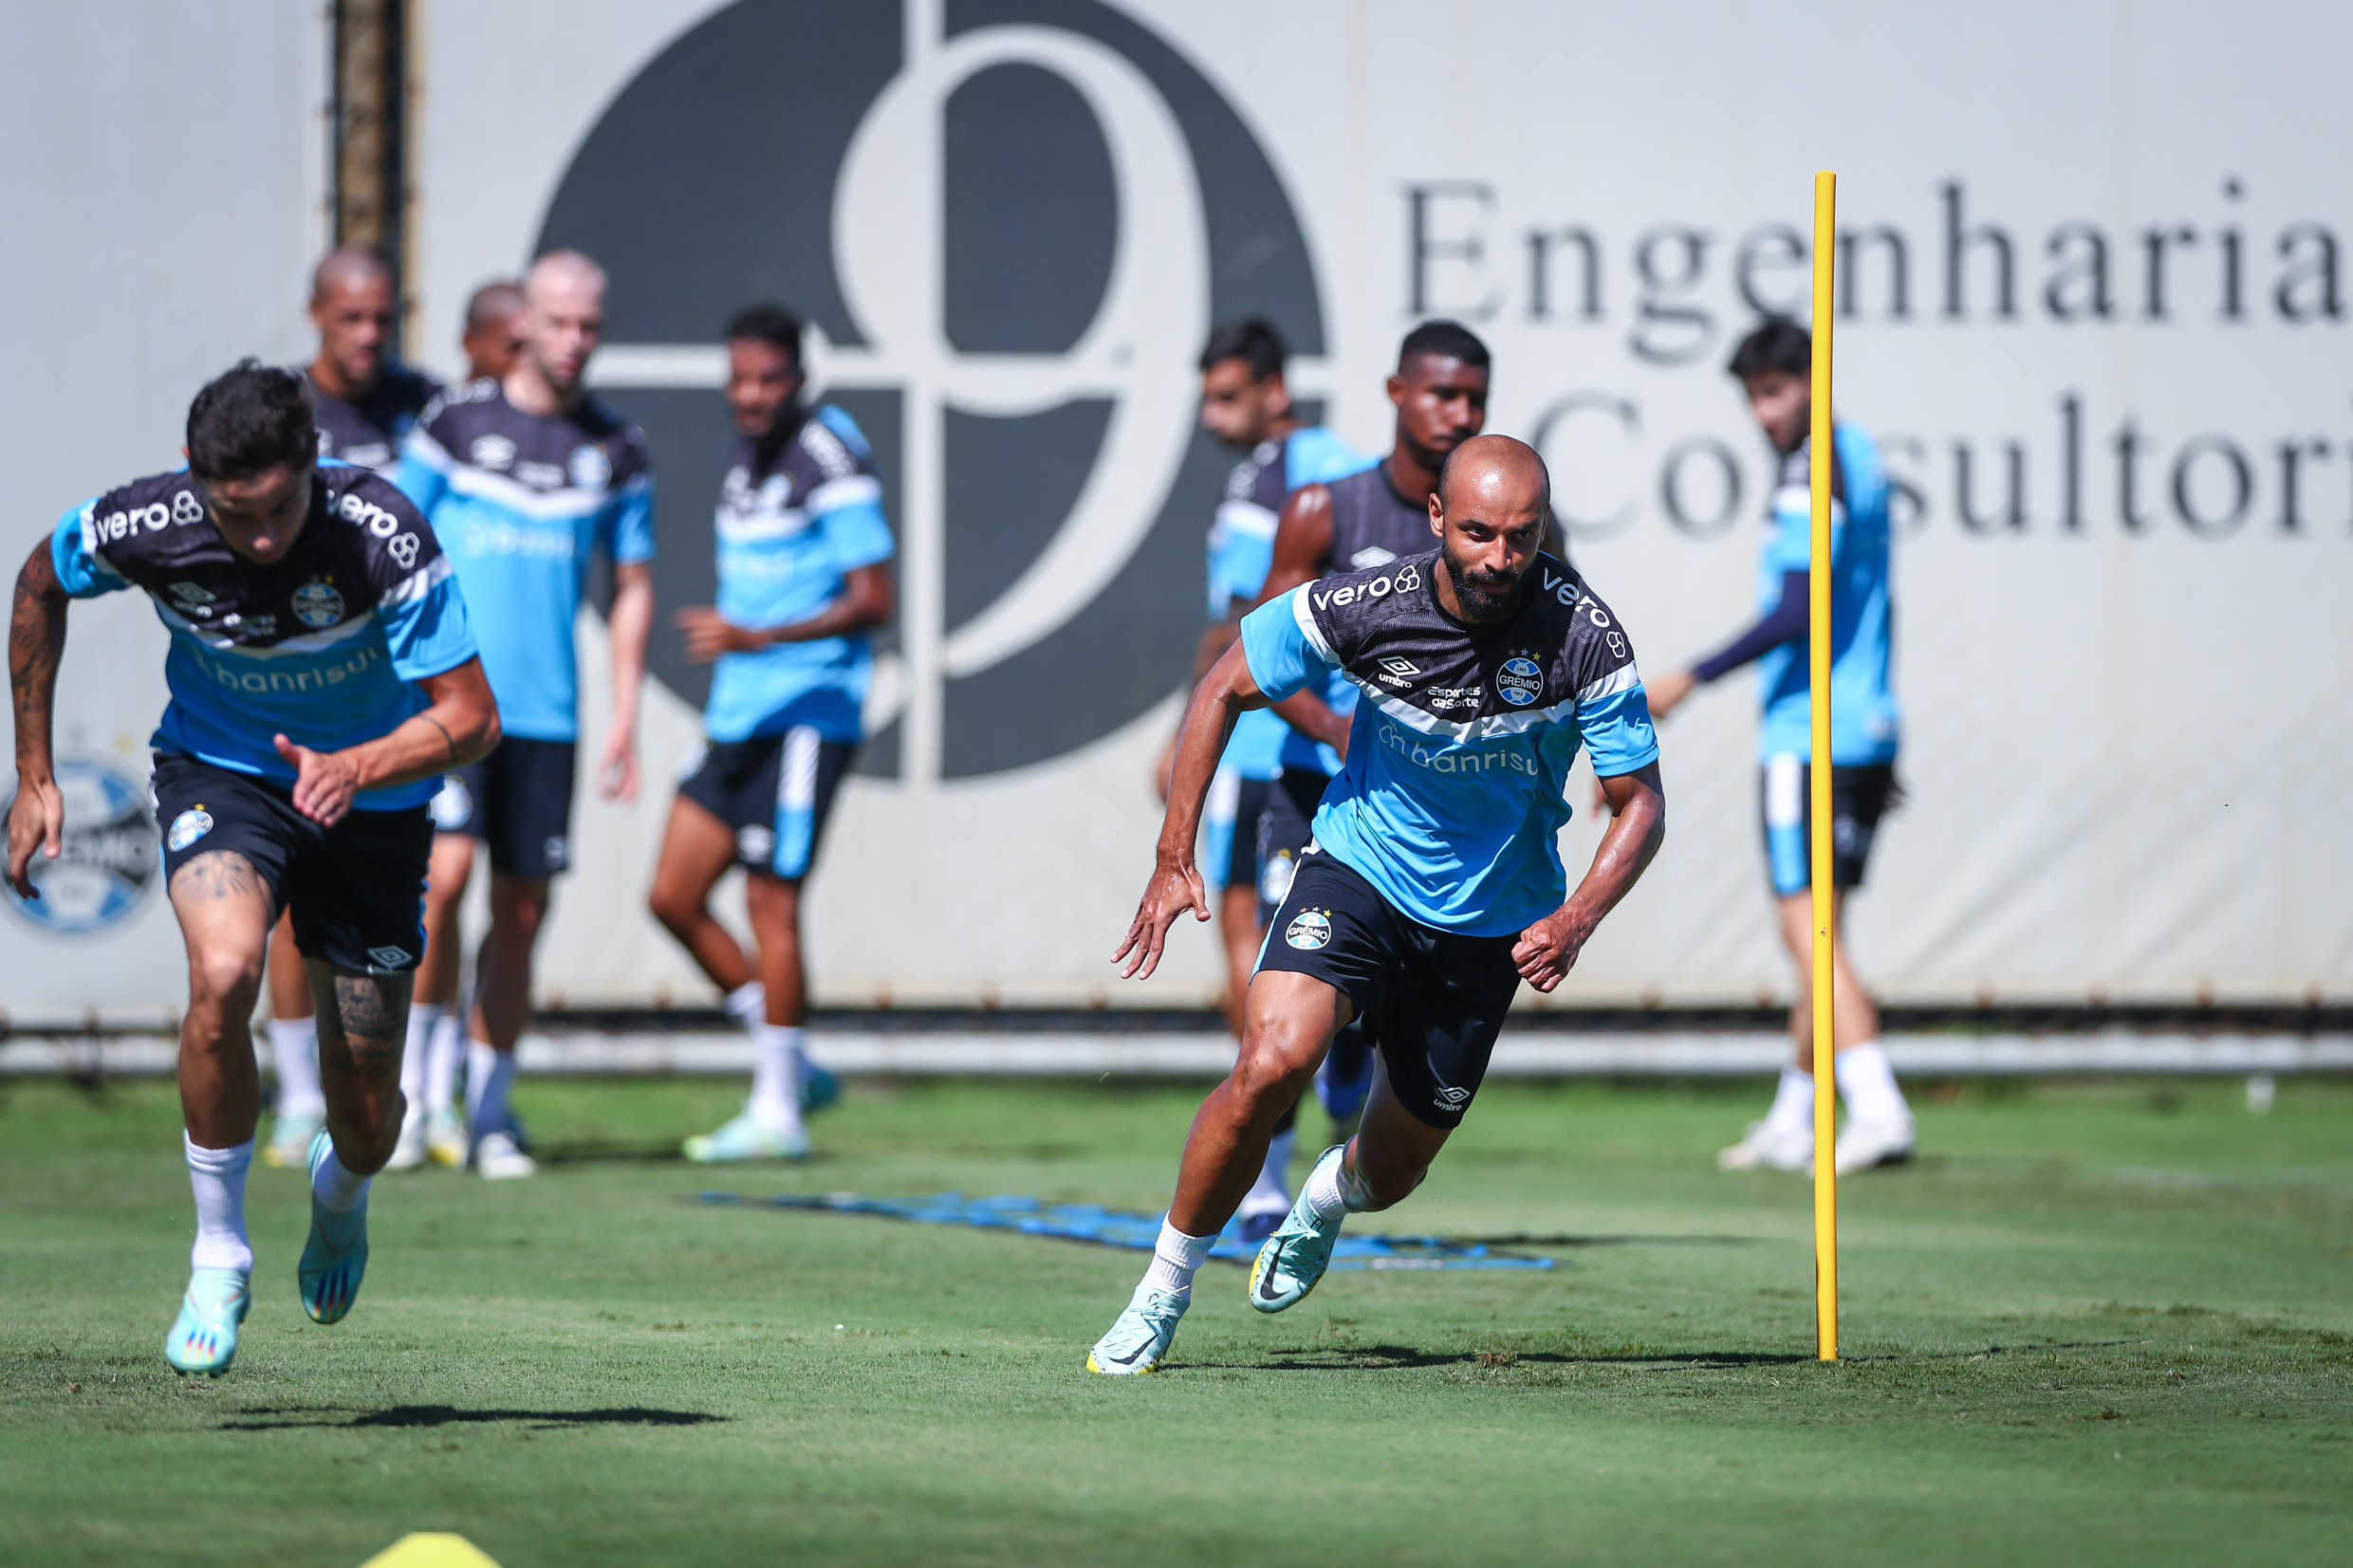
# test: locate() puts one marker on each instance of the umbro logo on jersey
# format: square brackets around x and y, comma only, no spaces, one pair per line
[190,593]
[1398,672]
[491,452]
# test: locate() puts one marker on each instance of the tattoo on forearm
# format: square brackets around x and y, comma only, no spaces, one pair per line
[36,641]
[216,874]
[445,736]
[369,1020]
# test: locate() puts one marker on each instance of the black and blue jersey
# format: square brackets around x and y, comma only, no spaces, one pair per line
[369,430]
[322,645]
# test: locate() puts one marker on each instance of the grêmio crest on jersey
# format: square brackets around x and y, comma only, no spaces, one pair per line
[1463,681]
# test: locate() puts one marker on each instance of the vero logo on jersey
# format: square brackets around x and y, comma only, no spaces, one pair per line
[1365,593]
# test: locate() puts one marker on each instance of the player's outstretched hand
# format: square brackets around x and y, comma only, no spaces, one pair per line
[616,770]
[36,821]
[1547,950]
[1172,890]
[710,633]
[324,782]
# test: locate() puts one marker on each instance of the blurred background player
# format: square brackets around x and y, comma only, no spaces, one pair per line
[491,338]
[365,404]
[322,676]
[1246,403]
[1368,518]
[526,479]
[804,575]
[1773,365]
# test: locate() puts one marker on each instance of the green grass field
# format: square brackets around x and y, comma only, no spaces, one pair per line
[2096,1324]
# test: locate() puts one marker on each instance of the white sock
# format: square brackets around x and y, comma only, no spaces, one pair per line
[218,1177]
[422,1017]
[1868,1083]
[1793,1102]
[1272,1191]
[338,1190]
[489,1075]
[748,1003]
[776,1076]
[1176,1258]
[294,1047]
[1332,1190]
[447,1051]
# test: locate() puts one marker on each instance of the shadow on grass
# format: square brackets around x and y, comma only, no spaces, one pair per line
[633,1151]
[1392,1357]
[450,1415]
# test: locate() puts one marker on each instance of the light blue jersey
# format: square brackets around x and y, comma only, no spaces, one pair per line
[1241,549]
[1459,757]
[1865,723]
[790,530]
[522,502]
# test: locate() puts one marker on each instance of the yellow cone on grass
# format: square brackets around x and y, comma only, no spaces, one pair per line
[431,1549]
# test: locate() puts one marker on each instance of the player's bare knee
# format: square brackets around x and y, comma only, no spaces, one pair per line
[224,978]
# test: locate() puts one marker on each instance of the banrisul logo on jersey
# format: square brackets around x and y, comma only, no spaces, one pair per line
[107,858]
[1009,233]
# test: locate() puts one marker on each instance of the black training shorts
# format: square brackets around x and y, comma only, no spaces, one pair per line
[356,889]
[1284,828]
[1859,797]
[774,791]
[518,801]
[1432,1000]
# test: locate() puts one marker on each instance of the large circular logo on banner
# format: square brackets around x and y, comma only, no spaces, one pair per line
[1010,240]
[107,856]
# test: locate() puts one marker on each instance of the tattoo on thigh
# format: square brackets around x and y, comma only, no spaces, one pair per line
[216,874]
[370,1019]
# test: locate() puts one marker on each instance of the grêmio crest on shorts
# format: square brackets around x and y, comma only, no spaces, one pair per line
[1459,754]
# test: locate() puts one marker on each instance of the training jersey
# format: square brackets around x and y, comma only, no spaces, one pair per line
[1865,720]
[369,431]
[522,501]
[791,527]
[1458,756]
[1372,525]
[1241,548]
[321,645]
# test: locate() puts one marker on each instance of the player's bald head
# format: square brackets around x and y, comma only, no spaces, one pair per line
[562,271]
[1496,474]
[492,306]
[348,267]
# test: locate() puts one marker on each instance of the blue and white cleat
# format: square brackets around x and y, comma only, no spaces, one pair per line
[1294,1258]
[746,1139]
[820,1089]
[204,1337]
[335,1256]
[290,1137]
[1141,1335]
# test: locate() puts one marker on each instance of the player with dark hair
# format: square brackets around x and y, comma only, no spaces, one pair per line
[1434,883]
[365,403]
[527,479]
[804,575]
[1246,403]
[322,676]
[1372,516]
[1773,365]
[492,338]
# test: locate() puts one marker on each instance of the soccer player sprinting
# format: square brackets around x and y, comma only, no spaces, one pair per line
[526,479]
[1374,516]
[804,574]
[1246,403]
[1432,885]
[1773,364]
[491,340]
[365,404]
[322,676]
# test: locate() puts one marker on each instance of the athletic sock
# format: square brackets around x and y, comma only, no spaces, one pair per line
[1334,1189]
[1176,1258]
[776,1076]
[338,1190]
[1793,1102]
[294,1047]
[490,1074]
[748,1003]
[447,1051]
[1868,1083]
[1272,1191]
[218,1177]
[422,1017]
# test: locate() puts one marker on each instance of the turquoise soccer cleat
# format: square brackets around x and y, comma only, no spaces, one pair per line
[819,1090]
[1140,1336]
[204,1337]
[1294,1258]
[746,1139]
[335,1256]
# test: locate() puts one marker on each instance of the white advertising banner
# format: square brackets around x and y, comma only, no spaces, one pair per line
[2092,305]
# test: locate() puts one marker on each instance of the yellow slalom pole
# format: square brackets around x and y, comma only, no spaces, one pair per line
[1818,664]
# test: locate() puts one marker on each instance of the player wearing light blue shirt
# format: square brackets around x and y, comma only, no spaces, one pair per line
[1772,365]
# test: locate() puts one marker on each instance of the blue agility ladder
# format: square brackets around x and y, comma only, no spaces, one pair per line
[1087,1221]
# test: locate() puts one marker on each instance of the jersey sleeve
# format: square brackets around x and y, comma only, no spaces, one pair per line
[424,619]
[1612,713]
[423,473]
[628,529]
[73,553]
[1316,456]
[847,501]
[1791,547]
[1286,649]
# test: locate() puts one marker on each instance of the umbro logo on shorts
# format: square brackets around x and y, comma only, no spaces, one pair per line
[389,958]
[1309,930]
[1453,1096]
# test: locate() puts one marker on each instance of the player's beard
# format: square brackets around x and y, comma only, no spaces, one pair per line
[1484,596]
